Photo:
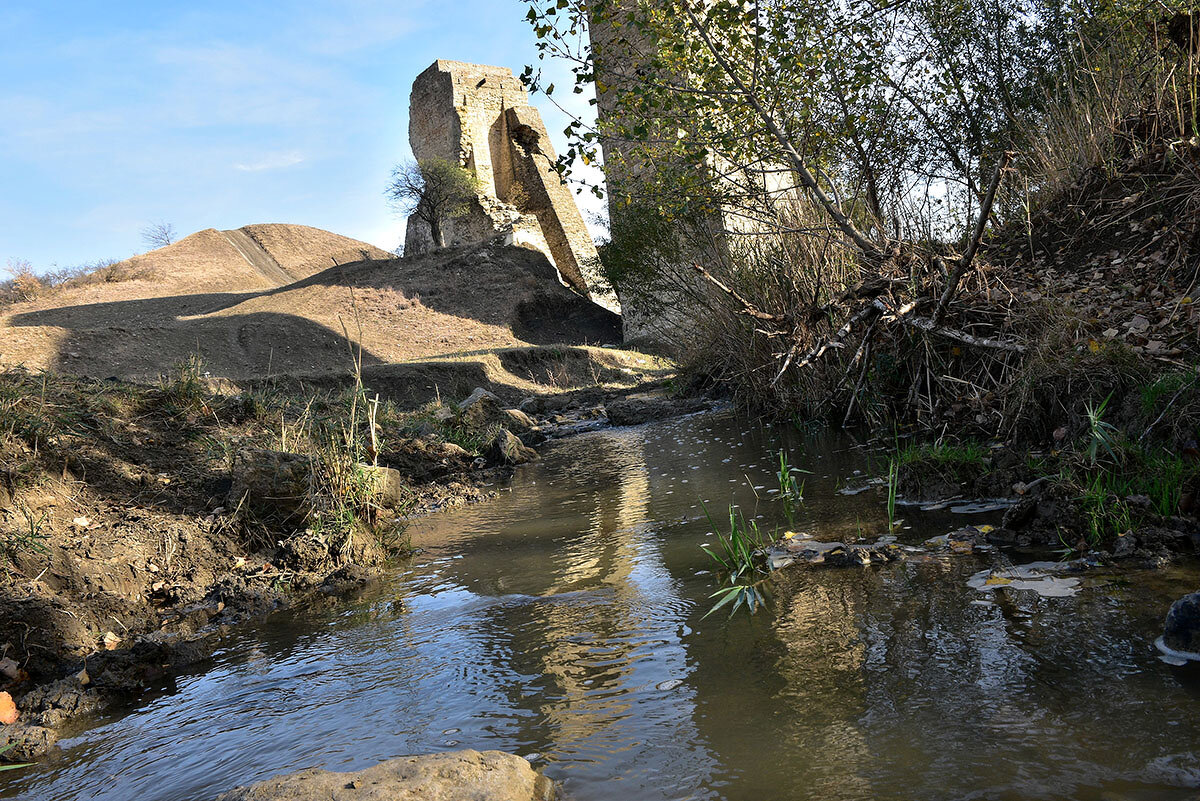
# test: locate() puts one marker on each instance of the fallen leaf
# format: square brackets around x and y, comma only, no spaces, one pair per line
[9,668]
[81,522]
[8,710]
[83,678]
[111,641]
[994,580]
[1138,325]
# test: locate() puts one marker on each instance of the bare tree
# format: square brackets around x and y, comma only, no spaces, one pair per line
[159,234]
[433,191]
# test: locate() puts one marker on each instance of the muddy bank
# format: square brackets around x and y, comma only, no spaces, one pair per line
[1138,514]
[135,521]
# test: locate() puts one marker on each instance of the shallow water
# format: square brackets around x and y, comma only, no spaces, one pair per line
[563,621]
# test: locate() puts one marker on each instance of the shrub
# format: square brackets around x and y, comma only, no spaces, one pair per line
[25,284]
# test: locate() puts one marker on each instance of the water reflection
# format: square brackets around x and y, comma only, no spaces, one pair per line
[563,621]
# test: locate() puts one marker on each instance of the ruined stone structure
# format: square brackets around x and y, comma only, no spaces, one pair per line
[479,117]
[619,51]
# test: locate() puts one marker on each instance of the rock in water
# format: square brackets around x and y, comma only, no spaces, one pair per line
[507,449]
[1181,632]
[452,776]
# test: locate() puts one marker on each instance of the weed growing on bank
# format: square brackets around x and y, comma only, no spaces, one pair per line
[1132,461]
[1134,486]
[25,535]
[942,454]
[340,487]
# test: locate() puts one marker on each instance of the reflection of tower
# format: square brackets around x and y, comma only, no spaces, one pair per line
[824,656]
[607,554]
[606,619]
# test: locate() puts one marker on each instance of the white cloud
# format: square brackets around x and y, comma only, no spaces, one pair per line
[272,161]
[354,26]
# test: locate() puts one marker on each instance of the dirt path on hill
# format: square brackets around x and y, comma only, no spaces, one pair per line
[257,257]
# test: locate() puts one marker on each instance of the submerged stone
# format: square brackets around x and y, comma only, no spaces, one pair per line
[507,449]
[1035,576]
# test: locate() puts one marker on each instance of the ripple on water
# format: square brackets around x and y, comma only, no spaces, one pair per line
[563,621]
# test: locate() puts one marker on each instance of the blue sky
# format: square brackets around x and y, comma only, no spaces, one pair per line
[114,115]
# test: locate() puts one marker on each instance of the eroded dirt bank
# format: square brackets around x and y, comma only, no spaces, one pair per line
[135,520]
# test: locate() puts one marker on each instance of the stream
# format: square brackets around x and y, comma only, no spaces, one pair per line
[564,621]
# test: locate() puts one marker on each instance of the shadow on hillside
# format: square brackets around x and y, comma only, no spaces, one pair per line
[140,312]
[248,346]
[509,286]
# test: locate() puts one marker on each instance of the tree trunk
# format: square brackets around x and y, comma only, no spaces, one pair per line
[435,230]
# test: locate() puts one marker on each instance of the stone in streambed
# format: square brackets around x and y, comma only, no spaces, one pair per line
[26,743]
[507,449]
[1181,632]
[389,490]
[452,776]
[518,420]
[645,407]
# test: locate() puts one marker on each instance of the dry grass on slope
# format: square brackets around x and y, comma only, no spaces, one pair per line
[204,262]
[303,251]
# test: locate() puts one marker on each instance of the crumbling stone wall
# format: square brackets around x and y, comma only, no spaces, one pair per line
[479,117]
[620,51]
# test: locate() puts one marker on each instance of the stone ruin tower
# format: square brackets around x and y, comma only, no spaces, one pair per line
[620,50]
[479,117]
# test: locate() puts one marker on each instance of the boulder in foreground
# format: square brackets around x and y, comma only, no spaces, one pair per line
[453,776]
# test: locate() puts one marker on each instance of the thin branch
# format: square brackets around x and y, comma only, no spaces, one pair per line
[985,211]
[865,245]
